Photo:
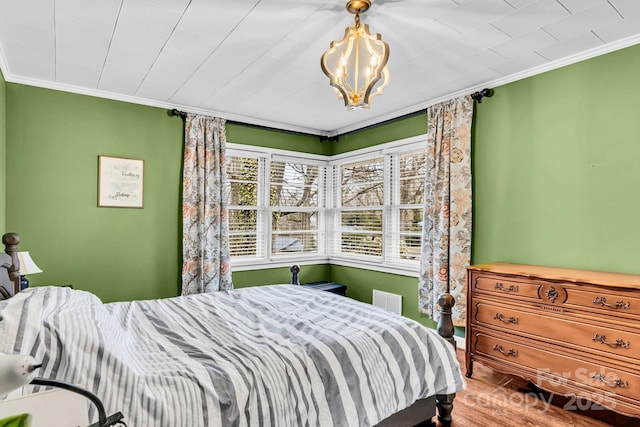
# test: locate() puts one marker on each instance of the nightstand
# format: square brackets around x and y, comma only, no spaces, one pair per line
[332,287]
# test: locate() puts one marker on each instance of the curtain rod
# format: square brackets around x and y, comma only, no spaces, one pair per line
[476,96]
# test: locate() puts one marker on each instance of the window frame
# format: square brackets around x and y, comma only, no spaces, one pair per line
[320,208]
[390,260]
[329,209]
[265,257]
[259,223]
[337,233]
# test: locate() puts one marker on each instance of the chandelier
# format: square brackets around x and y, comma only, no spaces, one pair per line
[357,64]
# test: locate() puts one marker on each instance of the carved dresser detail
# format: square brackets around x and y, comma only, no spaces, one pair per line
[570,332]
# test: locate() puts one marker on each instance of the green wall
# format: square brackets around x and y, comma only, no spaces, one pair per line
[3,147]
[282,140]
[412,126]
[556,168]
[361,283]
[270,276]
[54,139]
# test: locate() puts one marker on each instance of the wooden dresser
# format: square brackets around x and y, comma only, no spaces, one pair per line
[570,332]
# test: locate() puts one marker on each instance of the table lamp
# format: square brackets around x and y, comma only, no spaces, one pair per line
[18,370]
[27,266]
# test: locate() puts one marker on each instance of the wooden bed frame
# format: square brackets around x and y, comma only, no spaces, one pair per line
[420,413]
[9,266]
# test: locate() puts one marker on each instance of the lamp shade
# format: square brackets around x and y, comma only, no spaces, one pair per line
[27,266]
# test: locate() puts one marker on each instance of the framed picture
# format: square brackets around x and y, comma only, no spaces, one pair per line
[120,182]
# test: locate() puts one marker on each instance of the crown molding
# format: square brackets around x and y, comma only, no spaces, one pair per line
[4,66]
[553,65]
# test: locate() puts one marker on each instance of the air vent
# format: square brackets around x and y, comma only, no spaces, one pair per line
[388,301]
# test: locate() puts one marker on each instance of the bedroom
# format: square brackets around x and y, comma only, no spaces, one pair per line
[554,174]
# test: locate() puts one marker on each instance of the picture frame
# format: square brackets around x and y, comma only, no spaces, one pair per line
[120,182]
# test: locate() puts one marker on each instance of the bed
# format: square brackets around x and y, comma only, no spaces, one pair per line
[279,355]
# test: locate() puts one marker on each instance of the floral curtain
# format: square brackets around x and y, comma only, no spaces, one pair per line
[446,229]
[205,222]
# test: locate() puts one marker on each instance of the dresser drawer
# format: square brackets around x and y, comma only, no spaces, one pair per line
[607,340]
[572,332]
[504,287]
[558,369]
[605,301]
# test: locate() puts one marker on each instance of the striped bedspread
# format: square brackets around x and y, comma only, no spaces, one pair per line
[278,355]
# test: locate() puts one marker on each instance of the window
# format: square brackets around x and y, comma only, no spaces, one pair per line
[362,208]
[294,203]
[276,207]
[406,206]
[379,206]
[243,189]
[361,203]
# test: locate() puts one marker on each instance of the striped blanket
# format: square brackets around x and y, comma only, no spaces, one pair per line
[278,355]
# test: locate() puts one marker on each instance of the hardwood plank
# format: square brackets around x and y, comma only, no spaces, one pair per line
[495,399]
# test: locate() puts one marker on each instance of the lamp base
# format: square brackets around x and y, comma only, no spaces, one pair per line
[24,283]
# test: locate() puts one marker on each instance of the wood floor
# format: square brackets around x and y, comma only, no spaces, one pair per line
[495,399]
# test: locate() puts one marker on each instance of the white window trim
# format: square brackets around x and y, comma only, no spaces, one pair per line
[266,258]
[329,206]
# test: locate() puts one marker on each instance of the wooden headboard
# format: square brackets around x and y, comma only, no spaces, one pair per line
[9,266]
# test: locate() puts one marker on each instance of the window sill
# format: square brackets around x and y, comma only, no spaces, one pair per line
[262,264]
[247,265]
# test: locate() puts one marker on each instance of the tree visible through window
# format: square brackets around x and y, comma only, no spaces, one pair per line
[365,208]
[412,170]
[242,173]
[362,199]
[293,198]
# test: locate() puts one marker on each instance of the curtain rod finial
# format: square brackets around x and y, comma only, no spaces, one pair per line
[177,113]
[477,96]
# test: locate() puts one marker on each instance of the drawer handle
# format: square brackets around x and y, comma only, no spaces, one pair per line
[615,383]
[602,301]
[618,343]
[511,352]
[500,317]
[500,287]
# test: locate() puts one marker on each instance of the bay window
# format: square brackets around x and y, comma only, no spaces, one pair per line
[362,208]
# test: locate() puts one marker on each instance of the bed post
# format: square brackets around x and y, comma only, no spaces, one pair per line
[11,241]
[295,269]
[445,328]
[444,402]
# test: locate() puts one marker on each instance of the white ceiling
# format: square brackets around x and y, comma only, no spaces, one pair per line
[258,61]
